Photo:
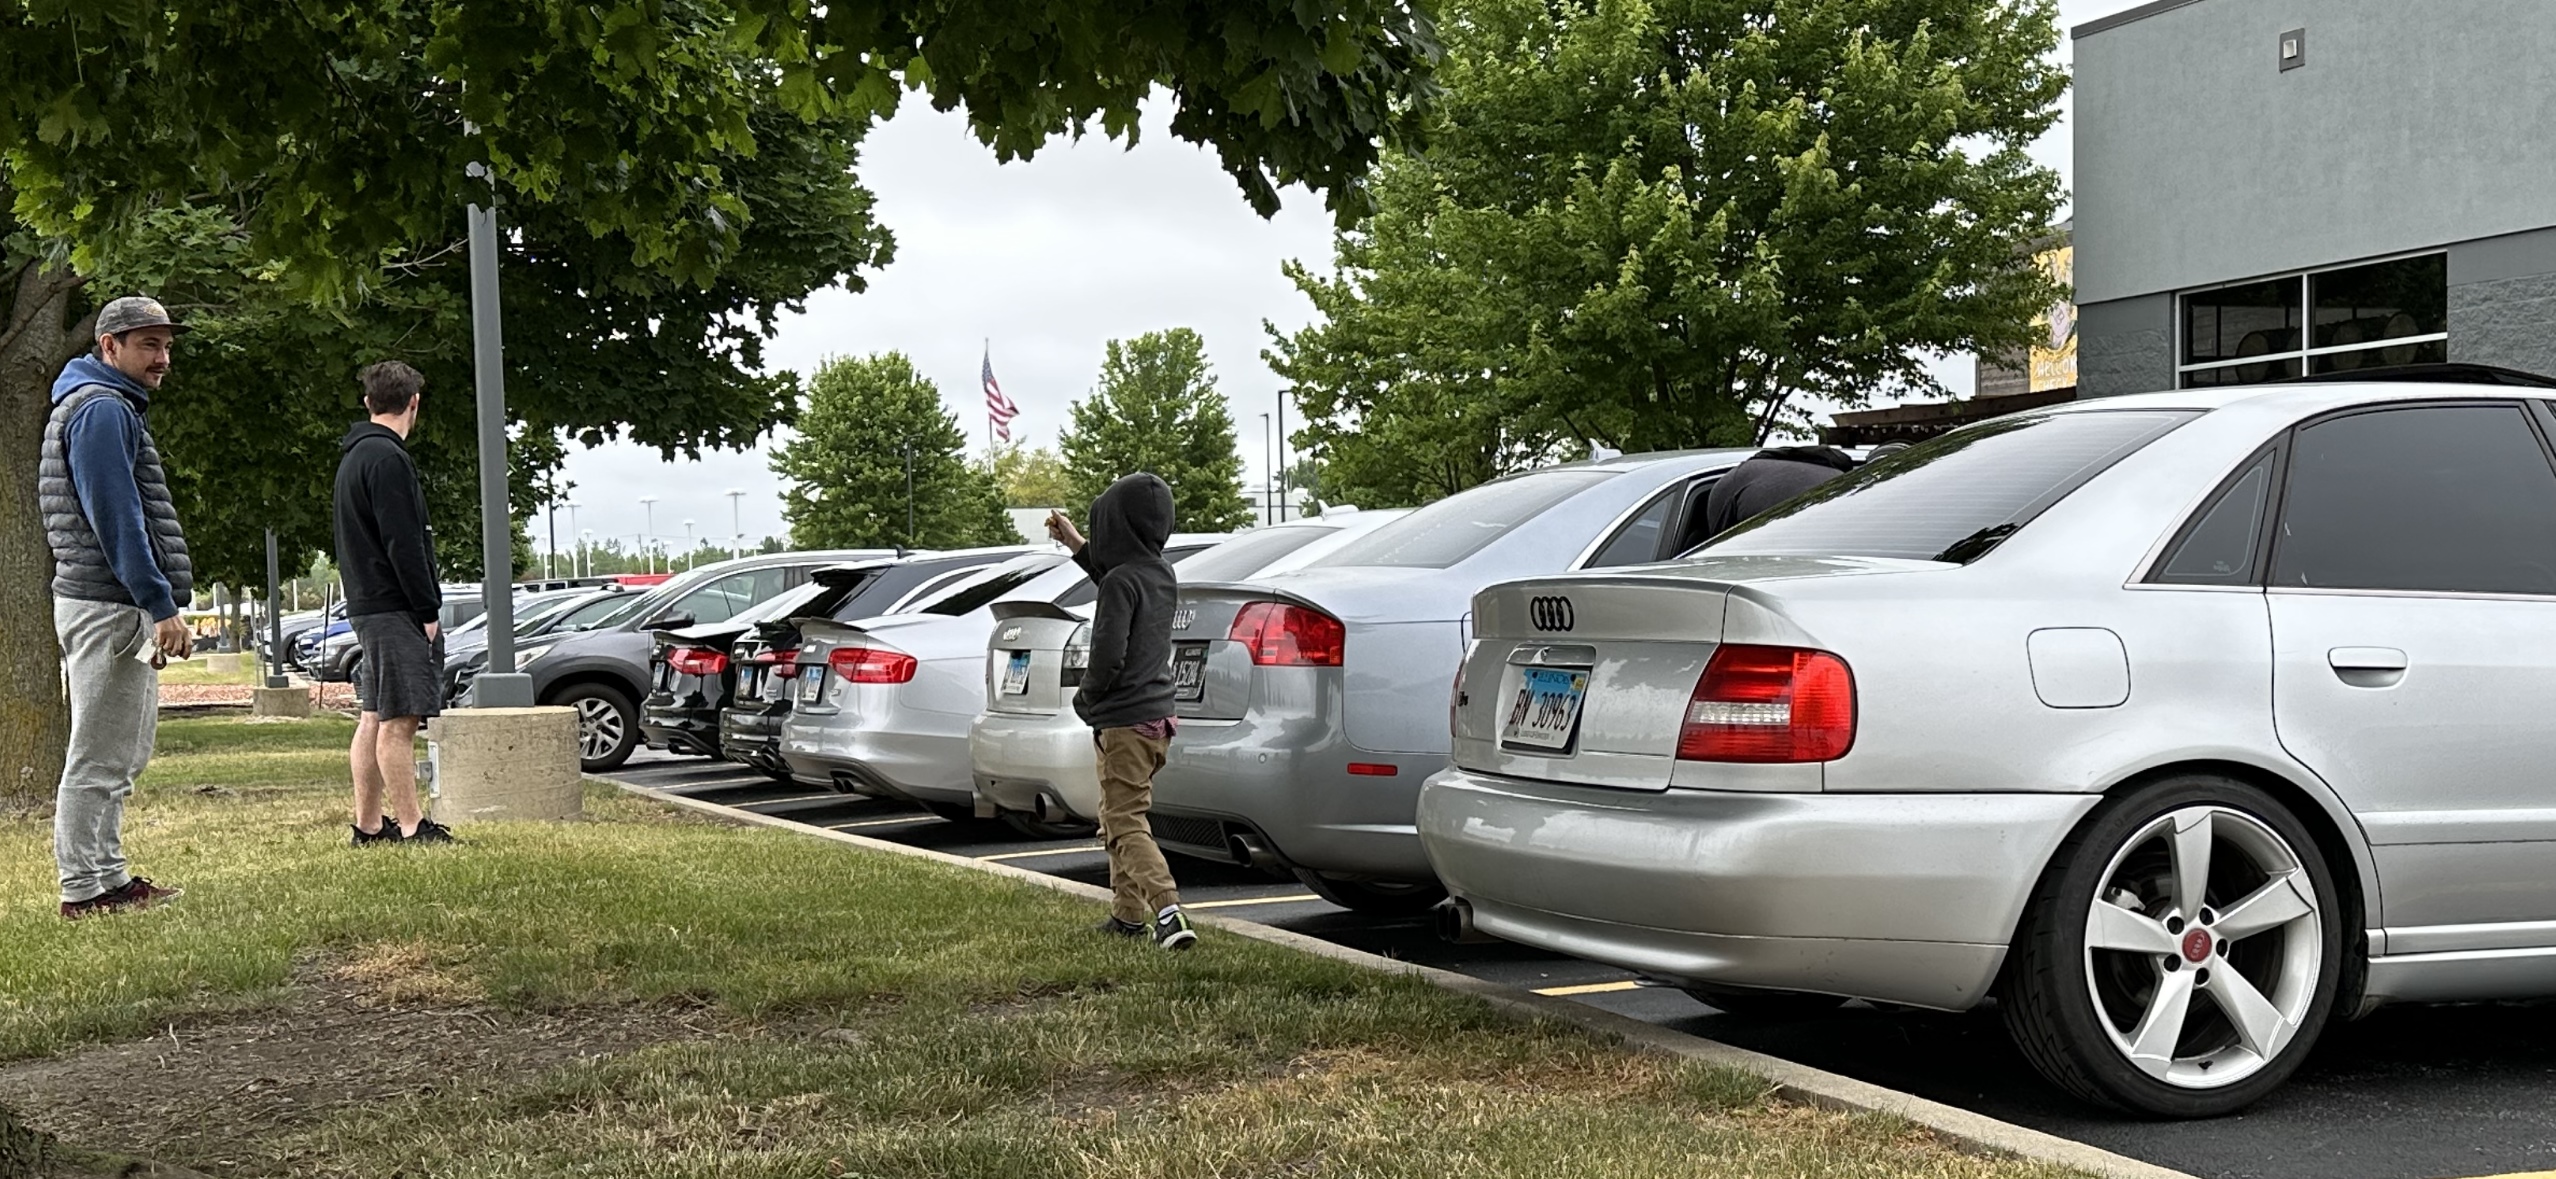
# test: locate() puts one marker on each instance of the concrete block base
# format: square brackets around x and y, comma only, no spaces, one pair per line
[506,763]
[281,702]
[226,663]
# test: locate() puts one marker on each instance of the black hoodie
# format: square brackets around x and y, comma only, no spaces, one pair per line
[1129,679]
[385,553]
[1768,478]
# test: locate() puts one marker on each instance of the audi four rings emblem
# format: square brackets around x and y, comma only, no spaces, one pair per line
[1550,613]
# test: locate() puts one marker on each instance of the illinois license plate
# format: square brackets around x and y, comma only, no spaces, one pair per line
[1016,674]
[749,683]
[1546,711]
[811,684]
[1189,672]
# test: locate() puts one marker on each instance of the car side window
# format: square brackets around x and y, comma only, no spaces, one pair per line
[2441,498]
[2219,546]
[723,599]
[1638,541]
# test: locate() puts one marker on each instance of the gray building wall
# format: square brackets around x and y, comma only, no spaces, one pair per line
[2413,125]
[2125,346]
[2502,302]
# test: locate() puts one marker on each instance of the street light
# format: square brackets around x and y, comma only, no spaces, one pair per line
[736,546]
[649,502]
[586,549]
[580,558]
[690,550]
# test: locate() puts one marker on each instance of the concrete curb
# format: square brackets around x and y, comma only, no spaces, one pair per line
[1793,1082]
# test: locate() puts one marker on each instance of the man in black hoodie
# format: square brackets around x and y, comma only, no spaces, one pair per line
[1766,479]
[1126,695]
[386,556]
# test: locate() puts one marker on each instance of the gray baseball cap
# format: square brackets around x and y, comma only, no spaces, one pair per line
[135,311]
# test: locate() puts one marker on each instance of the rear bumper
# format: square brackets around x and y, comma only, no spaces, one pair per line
[681,729]
[1906,898]
[752,735]
[1259,778]
[1015,758]
[879,752]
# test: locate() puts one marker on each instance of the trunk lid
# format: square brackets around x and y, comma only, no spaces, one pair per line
[1025,670]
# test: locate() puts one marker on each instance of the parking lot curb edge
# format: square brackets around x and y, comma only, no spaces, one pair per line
[1792,1081]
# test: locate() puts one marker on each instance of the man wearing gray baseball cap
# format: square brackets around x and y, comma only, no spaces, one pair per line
[120,573]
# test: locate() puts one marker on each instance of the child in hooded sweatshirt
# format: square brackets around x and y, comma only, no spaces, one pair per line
[1126,696]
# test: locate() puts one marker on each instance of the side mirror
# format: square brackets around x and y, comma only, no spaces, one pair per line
[669,621]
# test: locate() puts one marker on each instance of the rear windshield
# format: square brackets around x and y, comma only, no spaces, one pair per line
[967,598]
[782,605]
[1955,497]
[1461,525]
[1249,553]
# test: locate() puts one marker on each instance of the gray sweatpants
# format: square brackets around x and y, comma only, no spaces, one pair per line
[115,714]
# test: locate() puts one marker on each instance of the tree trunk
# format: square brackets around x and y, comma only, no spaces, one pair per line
[35,720]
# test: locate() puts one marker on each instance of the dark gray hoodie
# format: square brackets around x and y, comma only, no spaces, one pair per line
[1129,679]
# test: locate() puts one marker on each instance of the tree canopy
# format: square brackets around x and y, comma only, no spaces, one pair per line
[1156,409]
[846,471]
[1653,224]
[1030,478]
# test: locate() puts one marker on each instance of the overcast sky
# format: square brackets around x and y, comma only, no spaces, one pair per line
[1048,260]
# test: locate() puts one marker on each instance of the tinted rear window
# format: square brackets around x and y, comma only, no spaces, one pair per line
[988,588]
[1249,553]
[1086,592]
[1952,498]
[1462,524]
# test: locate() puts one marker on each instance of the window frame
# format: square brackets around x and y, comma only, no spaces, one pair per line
[2307,353]
[2542,425]
[2266,528]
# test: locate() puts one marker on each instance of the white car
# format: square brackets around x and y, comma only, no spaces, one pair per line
[884,704]
[1031,755]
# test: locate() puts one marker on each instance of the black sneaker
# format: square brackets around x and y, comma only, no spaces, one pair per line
[1172,931]
[388,834]
[1111,924]
[428,831]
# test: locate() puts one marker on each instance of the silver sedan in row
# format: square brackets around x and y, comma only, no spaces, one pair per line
[2182,724]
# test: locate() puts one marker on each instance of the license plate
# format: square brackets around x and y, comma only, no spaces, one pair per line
[665,675]
[1189,672]
[1016,674]
[811,685]
[749,681]
[1546,710]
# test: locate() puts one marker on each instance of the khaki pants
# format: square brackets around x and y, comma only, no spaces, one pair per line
[1137,873]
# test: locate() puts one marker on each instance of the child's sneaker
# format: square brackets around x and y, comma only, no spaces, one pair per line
[1171,929]
[428,831]
[389,833]
[1111,924]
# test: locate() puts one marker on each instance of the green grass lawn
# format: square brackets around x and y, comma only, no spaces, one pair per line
[867,1014]
[199,670]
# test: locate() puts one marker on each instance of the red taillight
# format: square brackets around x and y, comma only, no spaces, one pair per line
[1770,704]
[869,665]
[700,661]
[1280,634]
[785,664]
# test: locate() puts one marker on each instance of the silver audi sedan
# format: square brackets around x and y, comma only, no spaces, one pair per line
[1312,703]
[1030,754]
[2180,723]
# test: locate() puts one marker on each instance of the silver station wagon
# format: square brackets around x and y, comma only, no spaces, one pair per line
[2179,723]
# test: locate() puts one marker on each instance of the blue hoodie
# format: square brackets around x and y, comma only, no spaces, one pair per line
[102,442]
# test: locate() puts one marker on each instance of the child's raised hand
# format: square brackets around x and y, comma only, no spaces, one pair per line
[1060,529]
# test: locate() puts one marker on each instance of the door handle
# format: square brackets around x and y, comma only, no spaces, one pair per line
[2366,659]
[2367,667]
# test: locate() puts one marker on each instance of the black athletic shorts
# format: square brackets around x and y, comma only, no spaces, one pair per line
[402,673]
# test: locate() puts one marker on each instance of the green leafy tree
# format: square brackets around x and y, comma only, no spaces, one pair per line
[1029,478]
[846,470]
[1653,224]
[625,142]
[1157,409]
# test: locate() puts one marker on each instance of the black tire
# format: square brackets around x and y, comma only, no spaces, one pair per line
[2053,976]
[1381,898]
[1765,1004]
[1031,827]
[607,725]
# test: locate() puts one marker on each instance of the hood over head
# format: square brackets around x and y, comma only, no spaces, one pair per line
[1131,521]
[363,430]
[87,369]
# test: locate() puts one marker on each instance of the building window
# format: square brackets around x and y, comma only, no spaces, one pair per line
[2376,315]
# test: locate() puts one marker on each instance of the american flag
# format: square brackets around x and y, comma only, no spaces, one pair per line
[999,410]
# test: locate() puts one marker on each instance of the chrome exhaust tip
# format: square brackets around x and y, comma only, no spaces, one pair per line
[1248,849]
[1454,920]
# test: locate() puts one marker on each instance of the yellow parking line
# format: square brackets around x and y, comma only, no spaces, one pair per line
[883,822]
[1289,899]
[1626,984]
[2522,1175]
[1052,851]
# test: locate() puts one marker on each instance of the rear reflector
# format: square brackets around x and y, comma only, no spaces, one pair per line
[1374,769]
[1770,704]
[870,665]
[700,661]
[1282,634]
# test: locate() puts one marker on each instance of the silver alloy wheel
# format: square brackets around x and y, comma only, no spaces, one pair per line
[2204,903]
[599,728]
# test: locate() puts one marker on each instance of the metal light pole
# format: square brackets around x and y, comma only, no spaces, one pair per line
[586,549]
[736,541]
[649,503]
[691,550]
[1269,467]
[274,619]
[1282,456]
[501,686]
[909,493]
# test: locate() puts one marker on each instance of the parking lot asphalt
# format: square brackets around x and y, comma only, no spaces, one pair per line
[2409,1093]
